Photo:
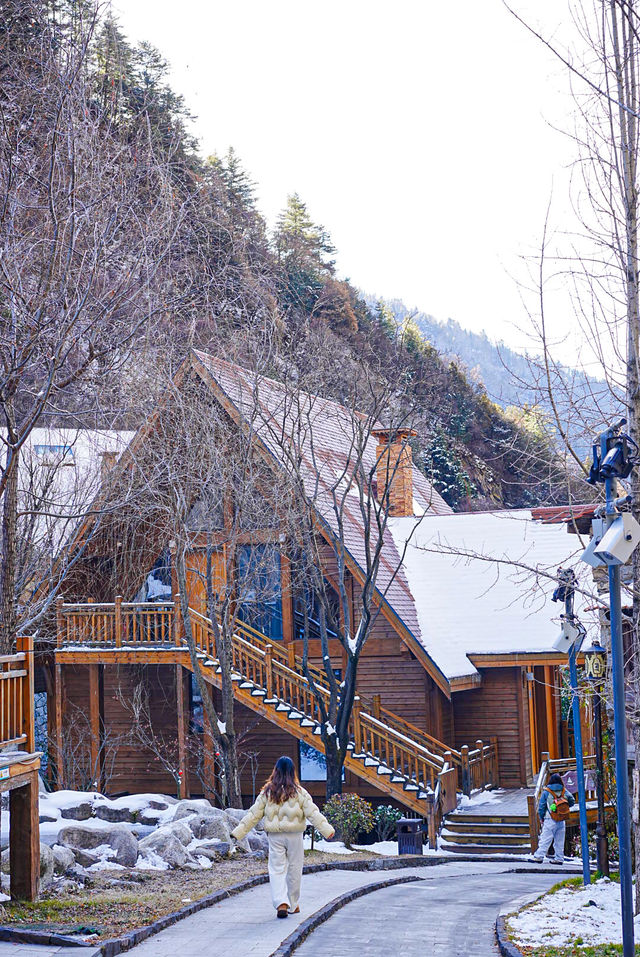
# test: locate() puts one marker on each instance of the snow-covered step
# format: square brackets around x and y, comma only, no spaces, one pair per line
[370,762]
[397,779]
[283,707]
[317,730]
[410,786]
[258,693]
[271,700]
[383,769]
[360,756]
[307,723]
[246,684]
[295,715]
[218,670]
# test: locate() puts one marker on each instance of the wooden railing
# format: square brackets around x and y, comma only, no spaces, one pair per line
[442,802]
[116,624]
[393,741]
[16,697]
[548,767]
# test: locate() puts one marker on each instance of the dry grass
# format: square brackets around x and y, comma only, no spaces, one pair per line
[111,910]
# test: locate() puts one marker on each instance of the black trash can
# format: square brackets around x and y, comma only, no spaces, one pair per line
[409,835]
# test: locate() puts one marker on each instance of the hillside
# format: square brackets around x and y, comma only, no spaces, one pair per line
[205,270]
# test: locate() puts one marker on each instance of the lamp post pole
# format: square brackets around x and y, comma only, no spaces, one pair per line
[620,732]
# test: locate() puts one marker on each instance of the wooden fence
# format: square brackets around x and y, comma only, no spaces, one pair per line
[548,767]
[16,697]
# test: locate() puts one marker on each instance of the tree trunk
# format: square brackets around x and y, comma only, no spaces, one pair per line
[335,763]
[8,545]
[229,753]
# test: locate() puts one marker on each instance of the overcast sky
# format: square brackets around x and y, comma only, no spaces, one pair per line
[417,132]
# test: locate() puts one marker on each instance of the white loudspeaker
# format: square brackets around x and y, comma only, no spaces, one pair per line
[572,634]
[598,528]
[619,541]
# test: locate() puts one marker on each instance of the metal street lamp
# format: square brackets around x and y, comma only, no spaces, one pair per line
[595,667]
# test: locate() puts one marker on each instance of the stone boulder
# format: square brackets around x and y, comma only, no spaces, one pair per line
[258,842]
[122,841]
[181,830]
[164,844]
[47,818]
[212,825]
[235,815]
[162,803]
[213,850]
[63,858]
[115,815]
[81,812]
[187,808]
[47,865]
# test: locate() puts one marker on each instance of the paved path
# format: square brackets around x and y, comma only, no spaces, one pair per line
[451,913]
[452,909]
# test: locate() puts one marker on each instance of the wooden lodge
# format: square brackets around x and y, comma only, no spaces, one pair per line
[458,681]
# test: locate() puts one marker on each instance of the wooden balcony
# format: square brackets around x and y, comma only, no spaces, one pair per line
[19,767]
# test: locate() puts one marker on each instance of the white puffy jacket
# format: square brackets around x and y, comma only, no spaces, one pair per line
[290,817]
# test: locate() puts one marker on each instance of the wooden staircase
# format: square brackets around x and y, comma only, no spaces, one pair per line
[404,762]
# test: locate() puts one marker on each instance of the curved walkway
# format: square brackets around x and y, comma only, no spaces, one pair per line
[452,908]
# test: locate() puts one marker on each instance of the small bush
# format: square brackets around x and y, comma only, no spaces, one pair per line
[387,818]
[350,815]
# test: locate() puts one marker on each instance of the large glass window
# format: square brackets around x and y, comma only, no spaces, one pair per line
[313,764]
[259,589]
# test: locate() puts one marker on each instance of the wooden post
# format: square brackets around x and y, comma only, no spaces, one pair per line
[483,770]
[177,620]
[59,621]
[533,822]
[550,707]
[182,755]
[291,657]
[118,616]
[25,646]
[431,823]
[466,777]
[376,706]
[357,730]
[495,776]
[59,697]
[24,840]
[209,760]
[533,736]
[286,598]
[94,724]
[268,667]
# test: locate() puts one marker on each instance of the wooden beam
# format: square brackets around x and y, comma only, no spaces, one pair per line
[94,724]
[533,731]
[182,751]
[24,840]
[549,698]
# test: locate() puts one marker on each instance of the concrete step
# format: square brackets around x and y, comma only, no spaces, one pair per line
[463,818]
[475,827]
[482,838]
[516,849]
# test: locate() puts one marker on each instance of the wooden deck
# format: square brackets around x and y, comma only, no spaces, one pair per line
[507,802]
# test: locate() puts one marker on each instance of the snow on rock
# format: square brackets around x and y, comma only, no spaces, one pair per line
[222,726]
[556,920]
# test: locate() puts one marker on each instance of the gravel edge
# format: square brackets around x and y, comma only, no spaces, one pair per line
[507,948]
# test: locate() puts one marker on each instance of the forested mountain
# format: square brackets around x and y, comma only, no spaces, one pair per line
[141,248]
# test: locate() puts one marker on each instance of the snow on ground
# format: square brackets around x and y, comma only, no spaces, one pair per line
[591,913]
[480,797]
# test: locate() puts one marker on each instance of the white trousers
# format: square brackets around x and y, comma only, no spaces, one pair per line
[286,856]
[552,833]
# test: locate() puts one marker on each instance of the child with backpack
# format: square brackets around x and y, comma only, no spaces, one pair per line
[553,811]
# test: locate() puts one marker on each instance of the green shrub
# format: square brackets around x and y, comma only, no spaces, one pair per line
[350,815]
[387,818]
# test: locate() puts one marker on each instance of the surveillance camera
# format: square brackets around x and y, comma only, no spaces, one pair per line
[572,633]
[619,541]
[598,528]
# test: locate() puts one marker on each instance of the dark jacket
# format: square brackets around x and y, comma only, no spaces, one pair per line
[557,789]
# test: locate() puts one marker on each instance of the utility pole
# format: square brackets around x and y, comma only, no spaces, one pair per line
[595,670]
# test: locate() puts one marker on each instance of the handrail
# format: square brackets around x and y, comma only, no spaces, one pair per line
[395,742]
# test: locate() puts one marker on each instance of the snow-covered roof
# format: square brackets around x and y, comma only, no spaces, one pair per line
[480,584]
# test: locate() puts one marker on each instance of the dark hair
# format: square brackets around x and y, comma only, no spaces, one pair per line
[555,779]
[283,781]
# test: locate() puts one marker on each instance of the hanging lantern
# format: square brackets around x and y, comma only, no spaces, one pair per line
[595,663]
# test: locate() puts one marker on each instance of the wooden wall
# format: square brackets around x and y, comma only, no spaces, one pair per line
[496,708]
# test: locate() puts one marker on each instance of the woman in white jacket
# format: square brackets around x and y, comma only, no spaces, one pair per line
[286,807]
